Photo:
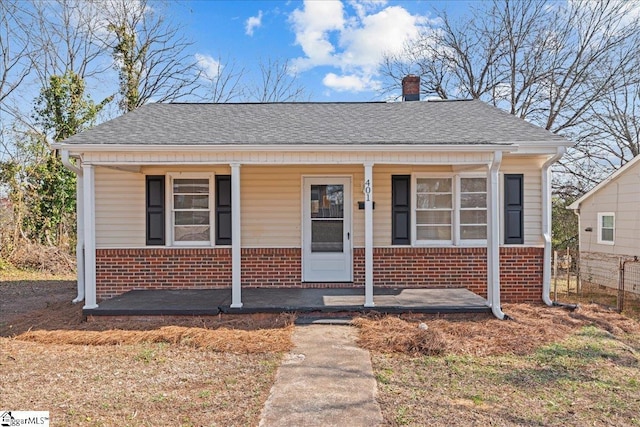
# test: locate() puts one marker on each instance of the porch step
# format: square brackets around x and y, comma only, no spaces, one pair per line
[309,320]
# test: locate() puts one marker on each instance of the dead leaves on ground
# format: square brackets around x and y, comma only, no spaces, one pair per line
[531,327]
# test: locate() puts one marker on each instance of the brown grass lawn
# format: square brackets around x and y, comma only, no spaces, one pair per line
[547,366]
[187,372]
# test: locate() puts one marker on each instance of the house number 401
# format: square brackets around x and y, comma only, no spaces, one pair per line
[367,190]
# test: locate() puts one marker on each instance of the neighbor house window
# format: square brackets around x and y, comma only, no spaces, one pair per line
[450,209]
[606,227]
[191,217]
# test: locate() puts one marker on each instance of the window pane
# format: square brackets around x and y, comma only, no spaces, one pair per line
[433,201]
[433,217]
[473,185]
[190,202]
[426,232]
[473,217]
[191,233]
[473,232]
[607,234]
[192,218]
[433,185]
[327,236]
[473,200]
[327,201]
[607,221]
[191,186]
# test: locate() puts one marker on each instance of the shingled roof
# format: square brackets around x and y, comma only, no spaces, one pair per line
[419,123]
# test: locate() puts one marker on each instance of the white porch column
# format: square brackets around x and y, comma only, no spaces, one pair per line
[368,235]
[88,178]
[80,237]
[493,236]
[236,253]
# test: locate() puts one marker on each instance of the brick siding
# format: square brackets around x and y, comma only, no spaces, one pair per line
[121,270]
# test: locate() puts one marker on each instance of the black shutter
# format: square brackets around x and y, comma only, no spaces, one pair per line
[401,209]
[155,209]
[223,209]
[513,209]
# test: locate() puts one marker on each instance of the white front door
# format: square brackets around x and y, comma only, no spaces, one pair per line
[326,239]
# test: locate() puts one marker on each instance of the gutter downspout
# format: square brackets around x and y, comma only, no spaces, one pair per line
[66,161]
[493,241]
[546,224]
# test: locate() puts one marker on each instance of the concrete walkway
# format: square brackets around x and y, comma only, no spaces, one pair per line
[326,380]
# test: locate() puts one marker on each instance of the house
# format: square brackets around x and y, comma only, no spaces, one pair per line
[609,226]
[405,194]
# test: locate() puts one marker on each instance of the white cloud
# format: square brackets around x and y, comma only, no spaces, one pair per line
[350,83]
[252,23]
[210,67]
[313,26]
[353,43]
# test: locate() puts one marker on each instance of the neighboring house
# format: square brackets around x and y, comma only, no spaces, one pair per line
[609,226]
[184,196]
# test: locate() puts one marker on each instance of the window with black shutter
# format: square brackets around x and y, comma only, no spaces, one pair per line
[513,209]
[401,209]
[223,209]
[155,210]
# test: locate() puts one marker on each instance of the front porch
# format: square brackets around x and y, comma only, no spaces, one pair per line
[210,302]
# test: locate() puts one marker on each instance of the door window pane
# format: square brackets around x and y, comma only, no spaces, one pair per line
[327,201]
[327,235]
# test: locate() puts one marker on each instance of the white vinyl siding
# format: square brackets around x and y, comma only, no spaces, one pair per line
[271,200]
[120,208]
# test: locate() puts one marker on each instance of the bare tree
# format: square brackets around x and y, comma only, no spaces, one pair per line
[14,45]
[225,79]
[278,82]
[561,66]
[152,57]
[65,40]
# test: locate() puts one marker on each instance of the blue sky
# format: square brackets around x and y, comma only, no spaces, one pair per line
[336,46]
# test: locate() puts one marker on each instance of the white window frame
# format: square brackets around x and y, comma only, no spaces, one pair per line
[170,218]
[601,215]
[456,240]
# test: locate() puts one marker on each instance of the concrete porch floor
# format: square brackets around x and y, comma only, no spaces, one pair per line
[208,302]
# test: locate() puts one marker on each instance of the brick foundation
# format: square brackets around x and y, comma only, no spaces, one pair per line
[122,270]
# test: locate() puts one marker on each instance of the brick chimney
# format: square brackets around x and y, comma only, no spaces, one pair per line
[411,88]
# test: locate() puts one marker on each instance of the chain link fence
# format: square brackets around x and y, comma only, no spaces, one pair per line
[605,279]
